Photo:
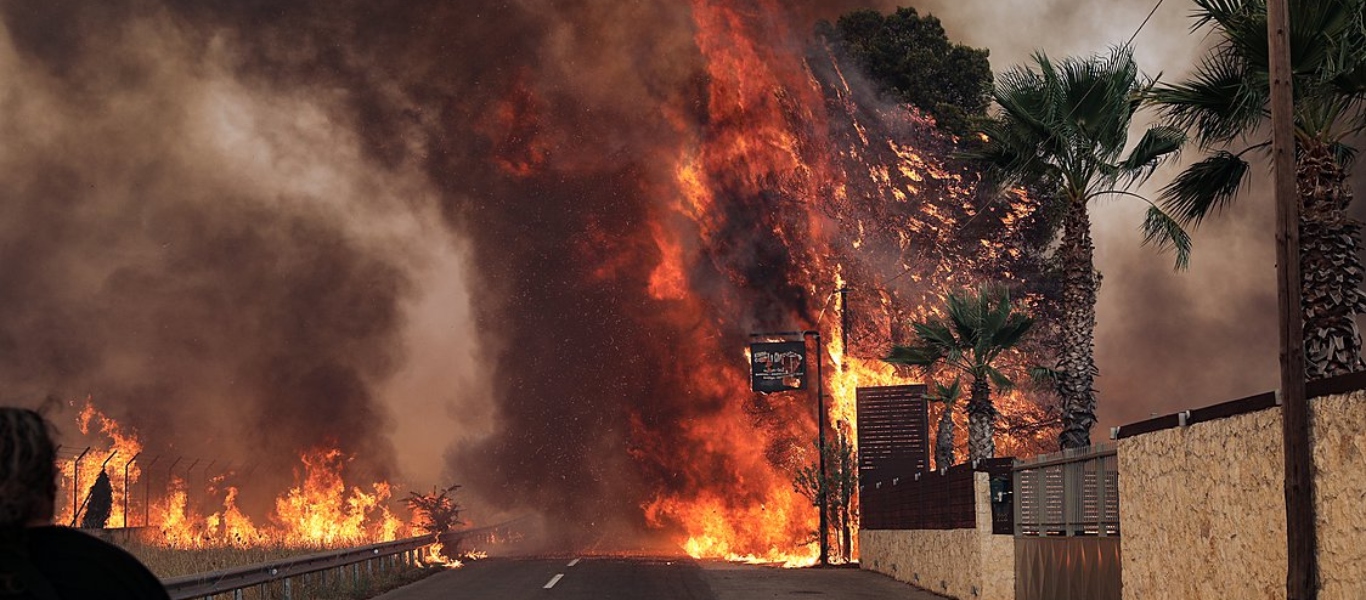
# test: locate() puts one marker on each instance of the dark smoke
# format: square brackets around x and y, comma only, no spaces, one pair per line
[216,310]
[171,248]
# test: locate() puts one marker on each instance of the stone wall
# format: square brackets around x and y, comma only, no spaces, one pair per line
[960,563]
[1203,509]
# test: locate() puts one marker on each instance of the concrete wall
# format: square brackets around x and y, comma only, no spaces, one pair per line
[1202,508]
[961,563]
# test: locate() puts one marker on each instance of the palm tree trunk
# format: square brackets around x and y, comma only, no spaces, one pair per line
[943,443]
[981,421]
[1330,267]
[1076,361]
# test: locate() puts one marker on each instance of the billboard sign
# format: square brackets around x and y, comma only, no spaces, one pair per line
[777,366]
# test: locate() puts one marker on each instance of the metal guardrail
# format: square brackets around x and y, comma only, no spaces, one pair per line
[213,583]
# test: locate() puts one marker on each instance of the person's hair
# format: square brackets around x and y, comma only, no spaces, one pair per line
[28,467]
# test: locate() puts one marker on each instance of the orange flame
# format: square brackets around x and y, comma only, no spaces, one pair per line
[320,510]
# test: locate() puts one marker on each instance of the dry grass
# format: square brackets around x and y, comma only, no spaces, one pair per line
[168,562]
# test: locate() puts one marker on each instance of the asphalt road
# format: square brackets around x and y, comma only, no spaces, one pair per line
[610,578]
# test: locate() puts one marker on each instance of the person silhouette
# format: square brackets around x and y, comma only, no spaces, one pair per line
[40,561]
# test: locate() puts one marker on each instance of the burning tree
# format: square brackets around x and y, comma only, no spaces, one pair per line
[913,59]
[436,513]
[837,488]
[98,503]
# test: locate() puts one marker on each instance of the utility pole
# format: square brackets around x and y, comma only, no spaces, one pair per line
[1301,571]
[844,324]
[820,441]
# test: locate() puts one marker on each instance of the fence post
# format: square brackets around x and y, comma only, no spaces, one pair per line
[1040,509]
[147,493]
[1101,484]
[1072,487]
[126,492]
[76,484]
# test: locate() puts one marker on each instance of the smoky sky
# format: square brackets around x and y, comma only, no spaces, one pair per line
[1165,340]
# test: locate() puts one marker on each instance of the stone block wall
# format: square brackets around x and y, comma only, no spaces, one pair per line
[1202,508]
[961,563]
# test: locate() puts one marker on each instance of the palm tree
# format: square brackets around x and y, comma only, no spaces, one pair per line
[980,326]
[1062,129]
[947,395]
[1224,104]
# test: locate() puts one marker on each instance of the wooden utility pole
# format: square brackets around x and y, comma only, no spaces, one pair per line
[844,325]
[1301,572]
[820,437]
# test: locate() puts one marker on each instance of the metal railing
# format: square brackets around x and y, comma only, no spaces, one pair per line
[385,555]
[1069,493]
[938,499]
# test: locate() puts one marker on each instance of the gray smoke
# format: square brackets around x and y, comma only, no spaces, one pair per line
[212,258]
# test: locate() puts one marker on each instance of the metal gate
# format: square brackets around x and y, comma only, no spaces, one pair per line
[1067,526]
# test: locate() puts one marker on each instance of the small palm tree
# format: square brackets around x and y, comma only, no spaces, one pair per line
[947,395]
[1063,128]
[1225,103]
[980,326]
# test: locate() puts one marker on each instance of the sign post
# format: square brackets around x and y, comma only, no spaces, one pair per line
[781,367]
[777,366]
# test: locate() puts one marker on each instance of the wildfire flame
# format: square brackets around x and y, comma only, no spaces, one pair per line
[319,511]
[120,448]
[836,187]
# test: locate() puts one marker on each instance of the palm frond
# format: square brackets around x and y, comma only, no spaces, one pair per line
[1163,231]
[1344,155]
[1219,11]
[998,379]
[1045,376]
[966,315]
[1157,143]
[916,356]
[1012,332]
[1220,102]
[979,326]
[1205,187]
[947,394]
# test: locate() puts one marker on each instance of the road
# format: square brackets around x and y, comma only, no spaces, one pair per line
[611,578]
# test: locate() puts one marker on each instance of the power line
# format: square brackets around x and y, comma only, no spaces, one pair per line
[1145,22]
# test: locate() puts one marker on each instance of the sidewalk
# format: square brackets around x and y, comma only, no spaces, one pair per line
[730,581]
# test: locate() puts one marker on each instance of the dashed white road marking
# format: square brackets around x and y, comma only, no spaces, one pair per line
[573,562]
[554,580]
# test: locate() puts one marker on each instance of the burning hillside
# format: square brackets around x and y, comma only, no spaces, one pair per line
[635,188]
